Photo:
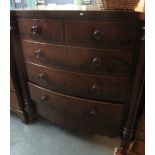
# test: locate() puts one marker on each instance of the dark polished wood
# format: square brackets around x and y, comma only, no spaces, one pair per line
[138,90]
[95,15]
[81,85]
[11,85]
[88,111]
[71,53]
[14,103]
[18,73]
[138,144]
[16,97]
[86,60]
[113,35]
[41,30]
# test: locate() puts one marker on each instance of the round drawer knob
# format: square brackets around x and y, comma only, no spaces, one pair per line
[95,88]
[35,29]
[98,35]
[42,76]
[92,112]
[96,61]
[37,54]
[44,98]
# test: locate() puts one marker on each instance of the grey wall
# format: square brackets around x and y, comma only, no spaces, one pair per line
[59,2]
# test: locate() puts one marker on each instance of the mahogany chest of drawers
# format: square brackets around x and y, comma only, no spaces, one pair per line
[81,70]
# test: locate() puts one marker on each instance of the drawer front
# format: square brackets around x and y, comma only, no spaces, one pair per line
[41,30]
[102,34]
[81,85]
[85,60]
[14,101]
[76,111]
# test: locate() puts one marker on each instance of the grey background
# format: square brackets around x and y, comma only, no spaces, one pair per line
[45,138]
[58,2]
[64,1]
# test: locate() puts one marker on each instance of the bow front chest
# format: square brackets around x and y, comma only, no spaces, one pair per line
[81,70]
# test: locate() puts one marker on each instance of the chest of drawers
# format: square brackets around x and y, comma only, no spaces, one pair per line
[81,70]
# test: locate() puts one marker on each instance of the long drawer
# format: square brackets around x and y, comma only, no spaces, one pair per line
[85,60]
[113,35]
[77,113]
[41,30]
[80,85]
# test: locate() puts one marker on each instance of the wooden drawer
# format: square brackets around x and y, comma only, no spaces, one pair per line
[41,30]
[14,100]
[86,60]
[81,85]
[115,35]
[76,112]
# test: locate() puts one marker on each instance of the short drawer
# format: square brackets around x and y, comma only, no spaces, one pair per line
[14,100]
[76,112]
[85,60]
[41,30]
[80,85]
[115,35]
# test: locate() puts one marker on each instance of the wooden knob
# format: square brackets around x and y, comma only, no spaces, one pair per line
[95,88]
[37,54]
[96,61]
[98,34]
[92,112]
[35,29]
[42,76]
[44,98]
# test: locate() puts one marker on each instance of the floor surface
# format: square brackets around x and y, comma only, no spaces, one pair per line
[44,138]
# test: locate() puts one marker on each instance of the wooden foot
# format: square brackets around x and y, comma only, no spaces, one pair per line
[30,112]
[21,115]
[127,137]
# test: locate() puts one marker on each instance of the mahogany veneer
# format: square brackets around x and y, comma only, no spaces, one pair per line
[80,85]
[84,73]
[77,59]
